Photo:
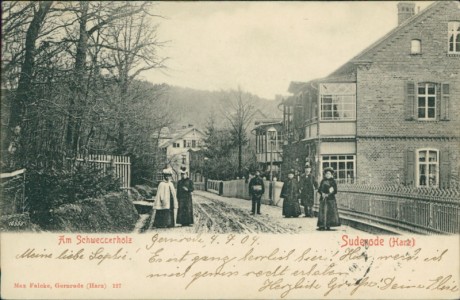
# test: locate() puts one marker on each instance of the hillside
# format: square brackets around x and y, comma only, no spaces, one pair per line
[196,106]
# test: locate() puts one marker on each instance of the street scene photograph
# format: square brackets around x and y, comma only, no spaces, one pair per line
[145,117]
[230,150]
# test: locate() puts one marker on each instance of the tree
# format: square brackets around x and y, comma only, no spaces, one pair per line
[238,110]
[132,43]
[218,152]
[23,92]
[73,87]
[93,20]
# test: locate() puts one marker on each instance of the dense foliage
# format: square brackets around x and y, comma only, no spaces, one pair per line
[70,89]
[220,156]
[49,188]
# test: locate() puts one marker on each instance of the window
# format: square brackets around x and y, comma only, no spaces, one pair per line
[193,143]
[185,144]
[454,37]
[343,165]
[279,140]
[263,144]
[427,101]
[415,47]
[427,168]
[184,159]
[337,107]
[338,101]
[314,107]
[176,145]
[260,145]
[426,95]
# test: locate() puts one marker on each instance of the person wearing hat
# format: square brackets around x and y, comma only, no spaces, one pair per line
[165,202]
[308,185]
[291,194]
[184,197]
[256,190]
[328,214]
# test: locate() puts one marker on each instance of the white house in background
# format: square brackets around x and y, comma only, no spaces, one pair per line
[175,147]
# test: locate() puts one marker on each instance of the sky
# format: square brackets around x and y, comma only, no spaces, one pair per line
[263,46]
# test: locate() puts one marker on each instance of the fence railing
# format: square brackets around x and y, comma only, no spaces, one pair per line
[13,192]
[239,188]
[199,186]
[121,166]
[214,186]
[415,209]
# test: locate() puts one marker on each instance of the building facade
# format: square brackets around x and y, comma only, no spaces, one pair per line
[392,113]
[176,147]
[269,146]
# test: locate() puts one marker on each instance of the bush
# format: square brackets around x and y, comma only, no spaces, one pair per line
[47,189]
[90,215]
[122,212]
[111,213]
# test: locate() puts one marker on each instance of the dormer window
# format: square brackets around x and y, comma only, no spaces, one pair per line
[454,37]
[416,47]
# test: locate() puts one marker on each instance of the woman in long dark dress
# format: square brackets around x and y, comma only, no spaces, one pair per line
[165,202]
[184,197]
[291,195]
[328,214]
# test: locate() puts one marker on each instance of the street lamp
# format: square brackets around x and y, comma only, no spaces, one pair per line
[205,174]
[272,135]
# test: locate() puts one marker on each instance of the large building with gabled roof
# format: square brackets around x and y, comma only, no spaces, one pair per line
[391,114]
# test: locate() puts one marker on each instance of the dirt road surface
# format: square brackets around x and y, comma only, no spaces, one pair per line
[216,214]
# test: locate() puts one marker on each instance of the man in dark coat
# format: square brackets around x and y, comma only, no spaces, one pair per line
[184,198]
[256,190]
[291,194]
[308,184]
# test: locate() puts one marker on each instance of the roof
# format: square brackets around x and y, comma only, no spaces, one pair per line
[179,134]
[266,121]
[264,125]
[346,77]
[288,101]
[364,56]
[258,111]
[296,86]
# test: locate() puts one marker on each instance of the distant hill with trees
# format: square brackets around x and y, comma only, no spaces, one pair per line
[190,106]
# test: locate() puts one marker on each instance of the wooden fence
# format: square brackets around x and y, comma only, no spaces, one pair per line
[120,165]
[239,188]
[213,186]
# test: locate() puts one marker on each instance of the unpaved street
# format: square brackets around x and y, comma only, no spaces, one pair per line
[216,214]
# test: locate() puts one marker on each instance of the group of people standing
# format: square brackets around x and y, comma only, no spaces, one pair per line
[300,190]
[173,207]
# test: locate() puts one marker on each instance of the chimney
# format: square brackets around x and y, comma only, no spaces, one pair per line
[405,11]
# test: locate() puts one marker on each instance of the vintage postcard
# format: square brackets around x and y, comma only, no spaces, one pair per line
[230,150]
